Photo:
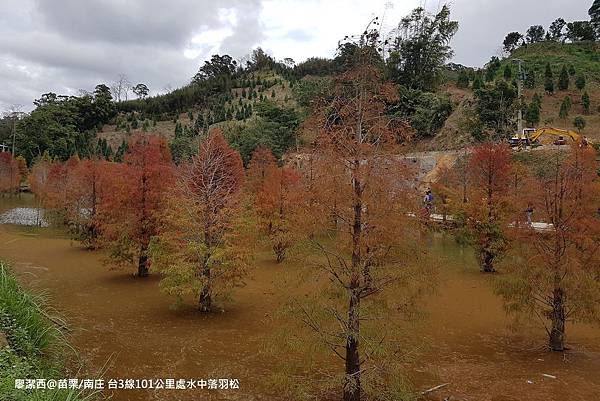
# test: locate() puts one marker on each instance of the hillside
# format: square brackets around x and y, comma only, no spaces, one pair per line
[584,58]
[580,59]
[277,91]
[265,103]
[247,106]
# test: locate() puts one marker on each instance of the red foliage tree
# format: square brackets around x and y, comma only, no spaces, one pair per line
[56,186]
[262,161]
[10,177]
[85,192]
[276,203]
[555,276]
[355,178]
[136,191]
[198,252]
[490,170]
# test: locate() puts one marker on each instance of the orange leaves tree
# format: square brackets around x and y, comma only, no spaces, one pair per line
[553,274]
[10,176]
[276,192]
[86,190]
[201,250]
[136,190]
[276,204]
[367,259]
[261,162]
[490,170]
[38,178]
[73,191]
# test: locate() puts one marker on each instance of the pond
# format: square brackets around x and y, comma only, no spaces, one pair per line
[126,328]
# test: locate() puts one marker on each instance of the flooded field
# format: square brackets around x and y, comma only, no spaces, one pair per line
[124,327]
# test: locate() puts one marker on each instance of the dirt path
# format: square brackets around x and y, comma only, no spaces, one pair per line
[128,322]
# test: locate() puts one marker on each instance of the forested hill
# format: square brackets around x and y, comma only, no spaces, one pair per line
[561,88]
[265,101]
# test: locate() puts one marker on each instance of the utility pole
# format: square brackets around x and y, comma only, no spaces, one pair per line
[519,90]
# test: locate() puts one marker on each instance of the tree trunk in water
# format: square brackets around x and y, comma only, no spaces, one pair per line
[488,263]
[279,250]
[557,334]
[205,300]
[352,387]
[143,264]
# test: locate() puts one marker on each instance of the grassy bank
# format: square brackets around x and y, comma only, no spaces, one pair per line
[32,346]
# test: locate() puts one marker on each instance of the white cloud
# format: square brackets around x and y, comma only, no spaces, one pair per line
[65,45]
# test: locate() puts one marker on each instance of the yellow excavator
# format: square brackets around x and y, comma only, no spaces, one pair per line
[530,137]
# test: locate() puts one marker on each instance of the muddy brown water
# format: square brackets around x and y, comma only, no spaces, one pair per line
[125,327]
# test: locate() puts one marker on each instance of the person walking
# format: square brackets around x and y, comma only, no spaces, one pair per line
[428,201]
[529,213]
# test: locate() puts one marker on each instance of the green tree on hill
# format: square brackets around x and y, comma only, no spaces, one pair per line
[594,13]
[530,79]
[580,82]
[549,79]
[556,29]
[478,82]
[463,79]
[532,113]
[419,52]
[141,90]
[579,123]
[512,41]
[565,108]
[563,80]
[495,107]
[535,34]
[507,72]
[491,68]
[579,31]
[217,67]
[585,102]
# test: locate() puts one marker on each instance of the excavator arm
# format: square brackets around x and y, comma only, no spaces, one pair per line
[555,132]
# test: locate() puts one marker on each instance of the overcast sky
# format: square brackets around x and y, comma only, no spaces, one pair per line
[66,45]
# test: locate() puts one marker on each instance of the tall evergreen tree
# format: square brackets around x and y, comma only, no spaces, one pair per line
[580,82]
[507,72]
[585,102]
[549,79]
[530,79]
[565,108]
[463,80]
[532,114]
[563,80]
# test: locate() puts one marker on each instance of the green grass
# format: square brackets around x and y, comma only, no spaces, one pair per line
[584,56]
[36,345]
